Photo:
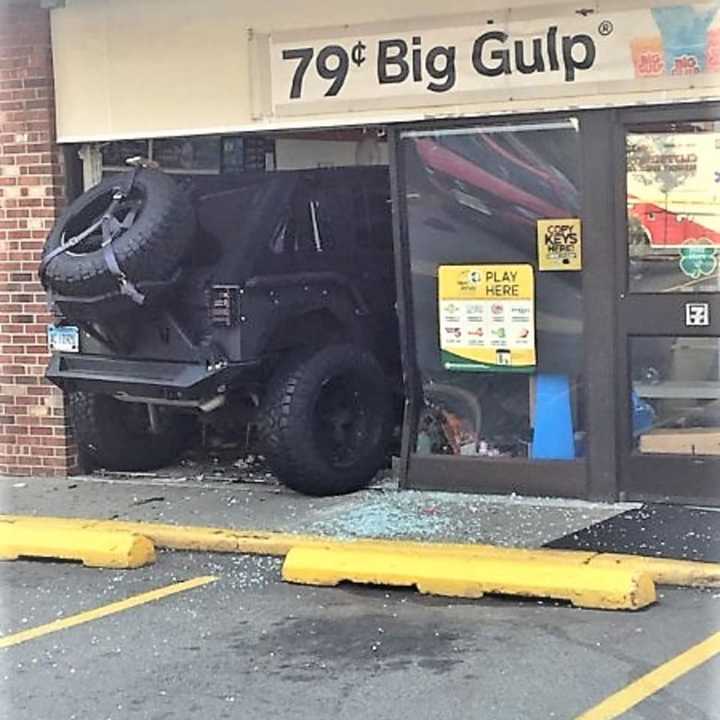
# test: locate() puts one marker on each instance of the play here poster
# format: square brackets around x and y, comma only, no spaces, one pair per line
[487,317]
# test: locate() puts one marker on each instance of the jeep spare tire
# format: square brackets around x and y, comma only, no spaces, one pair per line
[326,421]
[150,220]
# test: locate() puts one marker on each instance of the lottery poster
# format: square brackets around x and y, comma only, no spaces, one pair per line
[487,317]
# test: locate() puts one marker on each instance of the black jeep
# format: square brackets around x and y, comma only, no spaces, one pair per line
[271,294]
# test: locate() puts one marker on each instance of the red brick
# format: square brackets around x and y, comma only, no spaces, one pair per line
[28,444]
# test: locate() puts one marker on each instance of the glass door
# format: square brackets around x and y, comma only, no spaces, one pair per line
[669,305]
[491,227]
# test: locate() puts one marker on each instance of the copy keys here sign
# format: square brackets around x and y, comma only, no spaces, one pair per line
[487,317]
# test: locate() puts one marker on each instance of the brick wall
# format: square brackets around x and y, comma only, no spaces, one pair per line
[33,433]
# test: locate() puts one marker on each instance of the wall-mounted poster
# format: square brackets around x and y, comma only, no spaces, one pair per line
[673,186]
[559,244]
[487,317]
[673,205]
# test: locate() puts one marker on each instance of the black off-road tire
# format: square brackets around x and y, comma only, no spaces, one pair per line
[149,250]
[313,449]
[116,435]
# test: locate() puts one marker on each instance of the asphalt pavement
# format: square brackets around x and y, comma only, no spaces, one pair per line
[248,645]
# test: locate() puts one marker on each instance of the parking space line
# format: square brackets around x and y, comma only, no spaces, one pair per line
[657,679]
[104,611]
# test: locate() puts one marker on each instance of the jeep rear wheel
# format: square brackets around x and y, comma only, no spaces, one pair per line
[117,435]
[326,421]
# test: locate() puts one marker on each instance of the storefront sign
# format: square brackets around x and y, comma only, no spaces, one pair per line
[559,244]
[487,317]
[499,54]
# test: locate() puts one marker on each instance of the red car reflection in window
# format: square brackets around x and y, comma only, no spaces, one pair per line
[508,179]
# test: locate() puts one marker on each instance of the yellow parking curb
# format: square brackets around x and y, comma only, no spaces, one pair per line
[93,547]
[605,588]
[258,542]
[664,571]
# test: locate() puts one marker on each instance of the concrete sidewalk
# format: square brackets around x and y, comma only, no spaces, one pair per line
[382,511]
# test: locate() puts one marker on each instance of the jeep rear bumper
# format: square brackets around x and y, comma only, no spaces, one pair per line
[179,383]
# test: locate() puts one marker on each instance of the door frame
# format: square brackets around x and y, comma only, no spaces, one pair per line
[607,471]
[659,478]
[474,474]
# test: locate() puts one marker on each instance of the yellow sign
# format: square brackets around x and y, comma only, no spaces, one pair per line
[487,317]
[559,244]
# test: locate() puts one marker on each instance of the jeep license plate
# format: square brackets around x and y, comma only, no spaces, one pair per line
[63,338]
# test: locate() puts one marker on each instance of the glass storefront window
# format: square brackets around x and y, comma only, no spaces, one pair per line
[189,154]
[474,196]
[114,154]
[673,205]
[676,395]
[197,155]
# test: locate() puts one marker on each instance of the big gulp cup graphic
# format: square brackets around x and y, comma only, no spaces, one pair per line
[647,55]
[686,59]
[712,51]
[684,32]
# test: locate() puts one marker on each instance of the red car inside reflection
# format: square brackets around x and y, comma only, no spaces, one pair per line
[663,228]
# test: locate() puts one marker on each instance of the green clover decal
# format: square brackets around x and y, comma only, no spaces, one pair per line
[698,261]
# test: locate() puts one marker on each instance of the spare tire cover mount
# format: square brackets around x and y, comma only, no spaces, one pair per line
[120,234]
[116,219]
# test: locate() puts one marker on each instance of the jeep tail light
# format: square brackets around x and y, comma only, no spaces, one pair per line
[224,303]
